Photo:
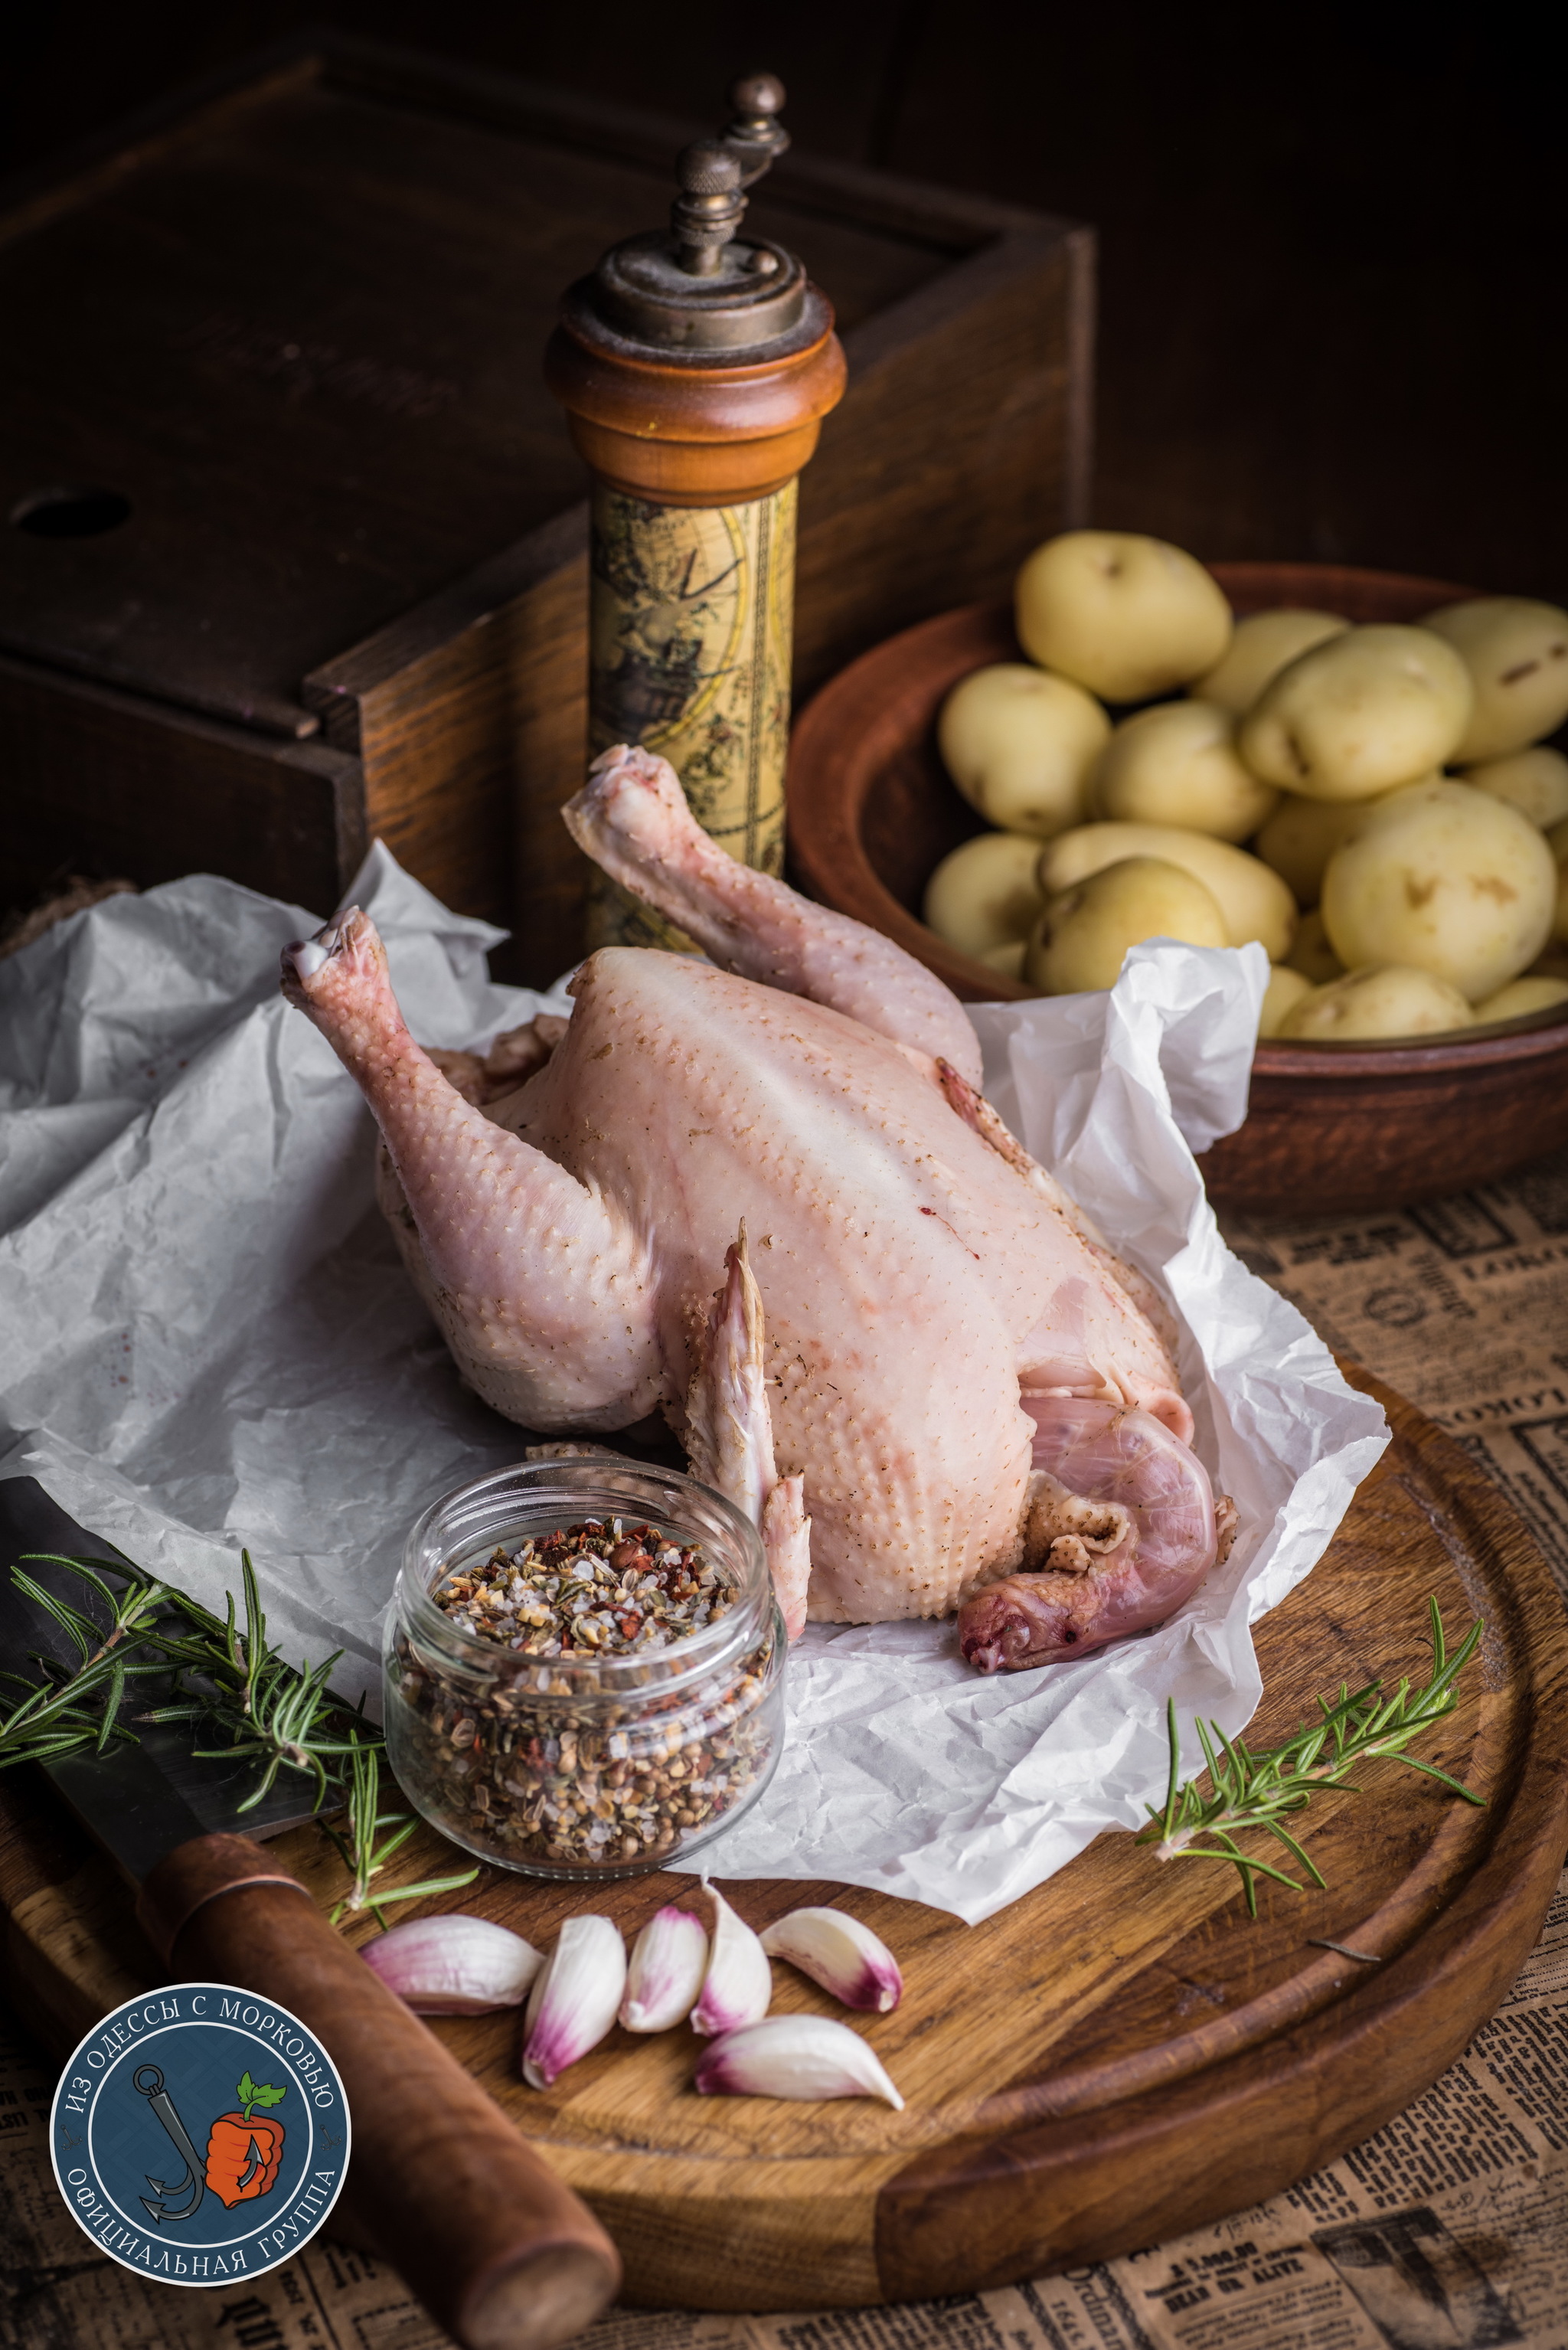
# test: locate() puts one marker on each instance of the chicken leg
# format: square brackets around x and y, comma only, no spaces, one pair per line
[631,817]
[539,1284]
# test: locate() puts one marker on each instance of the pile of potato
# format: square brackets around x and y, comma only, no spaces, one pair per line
[1405,864]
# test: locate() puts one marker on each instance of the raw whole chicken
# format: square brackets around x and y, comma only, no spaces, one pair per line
[917,1368]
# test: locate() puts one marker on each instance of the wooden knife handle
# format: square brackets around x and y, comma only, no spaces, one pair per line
[440,2184]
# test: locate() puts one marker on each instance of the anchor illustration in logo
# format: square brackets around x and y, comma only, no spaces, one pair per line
[243,2153]
[148,2082]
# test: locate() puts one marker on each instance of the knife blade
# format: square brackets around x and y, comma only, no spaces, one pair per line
[440,2184]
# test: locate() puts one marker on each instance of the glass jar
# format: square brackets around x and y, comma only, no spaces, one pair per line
[580,1765]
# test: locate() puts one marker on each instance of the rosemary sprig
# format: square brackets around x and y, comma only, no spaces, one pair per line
[217,1674]
[360,1853]
[278,1712]
[70,1708]
[1259,1791]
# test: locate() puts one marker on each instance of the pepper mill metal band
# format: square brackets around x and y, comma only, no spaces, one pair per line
[696,368]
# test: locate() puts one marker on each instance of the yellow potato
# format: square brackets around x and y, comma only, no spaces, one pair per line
[1177,764]
[1255,902]
[1081,938]
[1301,835]
[1517,654]
[1311,955]
[1444,878]
[1020,746]
[1264,642]
[1284,991]
[1379,1000]
[1521,996]
[1370,709]
[985,894]
[1534,782]
[1007,959]
[1557,841]
[1127,617]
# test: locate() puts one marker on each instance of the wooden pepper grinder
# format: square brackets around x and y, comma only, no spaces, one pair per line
[696,368]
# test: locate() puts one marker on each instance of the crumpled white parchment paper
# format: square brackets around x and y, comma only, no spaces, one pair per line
[206,1341]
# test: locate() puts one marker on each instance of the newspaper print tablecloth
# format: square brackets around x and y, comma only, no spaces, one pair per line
[1448,2231]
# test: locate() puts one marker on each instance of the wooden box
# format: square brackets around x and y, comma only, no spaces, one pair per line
[296,552]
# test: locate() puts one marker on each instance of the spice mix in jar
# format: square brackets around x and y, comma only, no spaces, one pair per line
[584,1666]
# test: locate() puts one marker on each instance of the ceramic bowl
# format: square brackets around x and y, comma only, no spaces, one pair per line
[1331,1129]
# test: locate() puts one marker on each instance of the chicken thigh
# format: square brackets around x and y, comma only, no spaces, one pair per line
[914,1298]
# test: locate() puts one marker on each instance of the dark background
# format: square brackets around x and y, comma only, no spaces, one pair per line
[1332,235]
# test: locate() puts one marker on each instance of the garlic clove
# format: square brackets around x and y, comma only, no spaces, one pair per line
[669,1961]
[453,1965]
[793,2056]
[738,1987]
[841,1954]
[575,1996]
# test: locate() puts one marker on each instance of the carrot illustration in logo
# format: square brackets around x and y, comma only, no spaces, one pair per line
[243,2153]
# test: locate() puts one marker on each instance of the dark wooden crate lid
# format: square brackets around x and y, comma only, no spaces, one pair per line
[299,329]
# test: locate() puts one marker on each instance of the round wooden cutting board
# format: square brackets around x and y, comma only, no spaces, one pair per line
[1121,2055]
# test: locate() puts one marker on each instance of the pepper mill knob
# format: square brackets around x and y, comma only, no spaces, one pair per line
[708,210]
[758,93]
[756,134]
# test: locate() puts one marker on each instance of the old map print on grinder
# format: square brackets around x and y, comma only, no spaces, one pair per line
[691,645]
